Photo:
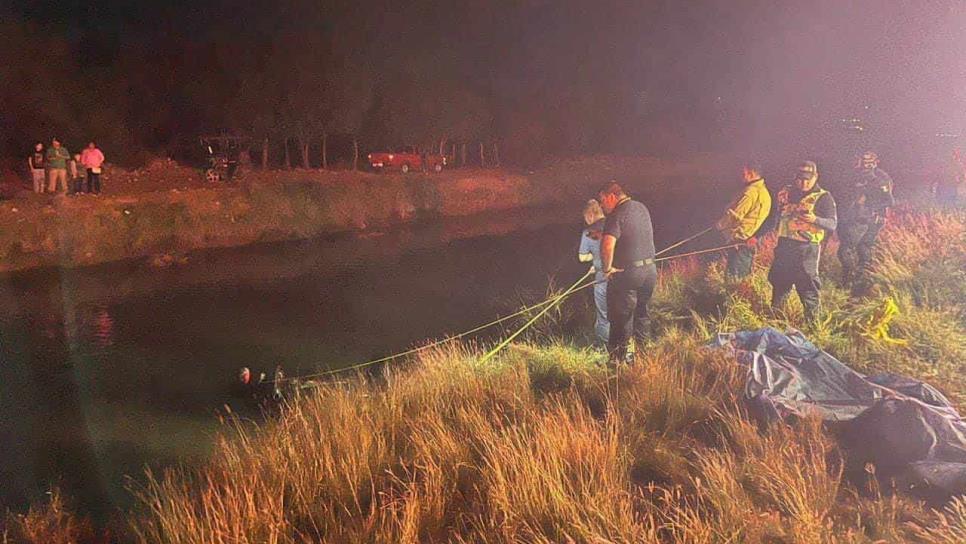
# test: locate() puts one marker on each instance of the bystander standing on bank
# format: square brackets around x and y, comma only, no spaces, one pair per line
[93,160]
[57,157]
[76,172]
[37,164]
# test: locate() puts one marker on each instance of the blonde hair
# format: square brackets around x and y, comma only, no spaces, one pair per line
[592,212]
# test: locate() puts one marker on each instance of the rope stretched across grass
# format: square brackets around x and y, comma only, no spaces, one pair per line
[546,306]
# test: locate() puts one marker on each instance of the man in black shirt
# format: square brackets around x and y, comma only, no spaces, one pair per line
[869,200]
[806,216]
[627,255]
[37,163]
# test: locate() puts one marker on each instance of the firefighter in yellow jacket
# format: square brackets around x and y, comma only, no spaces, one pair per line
[743,218]
[806,216]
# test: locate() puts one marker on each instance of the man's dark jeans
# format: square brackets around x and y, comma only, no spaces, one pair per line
[740,261]
[628,294]
[856,244]
[93,182]
[796,265]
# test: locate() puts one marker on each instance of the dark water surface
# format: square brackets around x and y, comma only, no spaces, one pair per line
[106,370]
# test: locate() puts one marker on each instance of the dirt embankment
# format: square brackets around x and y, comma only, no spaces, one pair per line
[165,209]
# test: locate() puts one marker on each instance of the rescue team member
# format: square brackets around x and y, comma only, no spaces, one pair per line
[807,215]
[627,256]
[589,252]
[869,199]
[741,221]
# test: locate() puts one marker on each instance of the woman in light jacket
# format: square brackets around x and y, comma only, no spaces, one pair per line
[589,252]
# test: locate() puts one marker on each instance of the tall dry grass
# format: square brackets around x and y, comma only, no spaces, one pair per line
[450,451]
[547,444]
[52,522]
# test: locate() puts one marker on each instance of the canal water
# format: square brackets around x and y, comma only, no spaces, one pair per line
[107,370]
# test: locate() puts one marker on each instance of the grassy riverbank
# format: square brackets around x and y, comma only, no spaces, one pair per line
[546,444]
[164,210]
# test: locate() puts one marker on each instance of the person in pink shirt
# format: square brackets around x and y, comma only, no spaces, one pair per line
[93,159]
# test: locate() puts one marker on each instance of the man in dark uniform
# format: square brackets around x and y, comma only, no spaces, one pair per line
[870,198]
[806,216]
[627,255]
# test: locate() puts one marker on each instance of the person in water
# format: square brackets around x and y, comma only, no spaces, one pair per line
[261,390]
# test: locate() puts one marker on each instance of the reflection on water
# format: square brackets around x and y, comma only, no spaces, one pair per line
[103,328]
[107,369]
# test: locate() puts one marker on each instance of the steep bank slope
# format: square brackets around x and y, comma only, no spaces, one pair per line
[38,231]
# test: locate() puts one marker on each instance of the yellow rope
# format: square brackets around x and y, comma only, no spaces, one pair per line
[524,310]
[568,292]
[701,252]
[547,305]
[682,242]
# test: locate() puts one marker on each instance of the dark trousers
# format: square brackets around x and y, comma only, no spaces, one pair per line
[796,265]
[77,185]
[628,294]
[740,261]
[856,244]
[93,182]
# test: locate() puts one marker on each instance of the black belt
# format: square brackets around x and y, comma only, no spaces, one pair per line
[638,264]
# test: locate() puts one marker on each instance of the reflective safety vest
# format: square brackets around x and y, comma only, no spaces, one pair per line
[790,226]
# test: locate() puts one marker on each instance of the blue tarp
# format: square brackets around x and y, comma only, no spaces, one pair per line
[905,427]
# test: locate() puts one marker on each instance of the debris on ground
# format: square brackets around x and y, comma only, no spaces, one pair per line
[905,428]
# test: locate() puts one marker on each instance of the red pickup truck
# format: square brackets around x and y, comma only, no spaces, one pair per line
[405,159]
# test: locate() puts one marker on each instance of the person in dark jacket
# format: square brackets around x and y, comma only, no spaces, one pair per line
[627,257]
[37,161]
[869,199]
[56,162]
[806,216]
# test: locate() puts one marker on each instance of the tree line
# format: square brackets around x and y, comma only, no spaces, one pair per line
[300,72]
[542,78]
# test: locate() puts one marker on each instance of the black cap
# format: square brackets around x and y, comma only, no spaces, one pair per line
[808,167]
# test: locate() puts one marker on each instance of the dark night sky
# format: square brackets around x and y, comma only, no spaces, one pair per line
[775,62]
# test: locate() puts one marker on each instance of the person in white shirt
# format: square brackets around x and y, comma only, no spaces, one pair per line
[93,160]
